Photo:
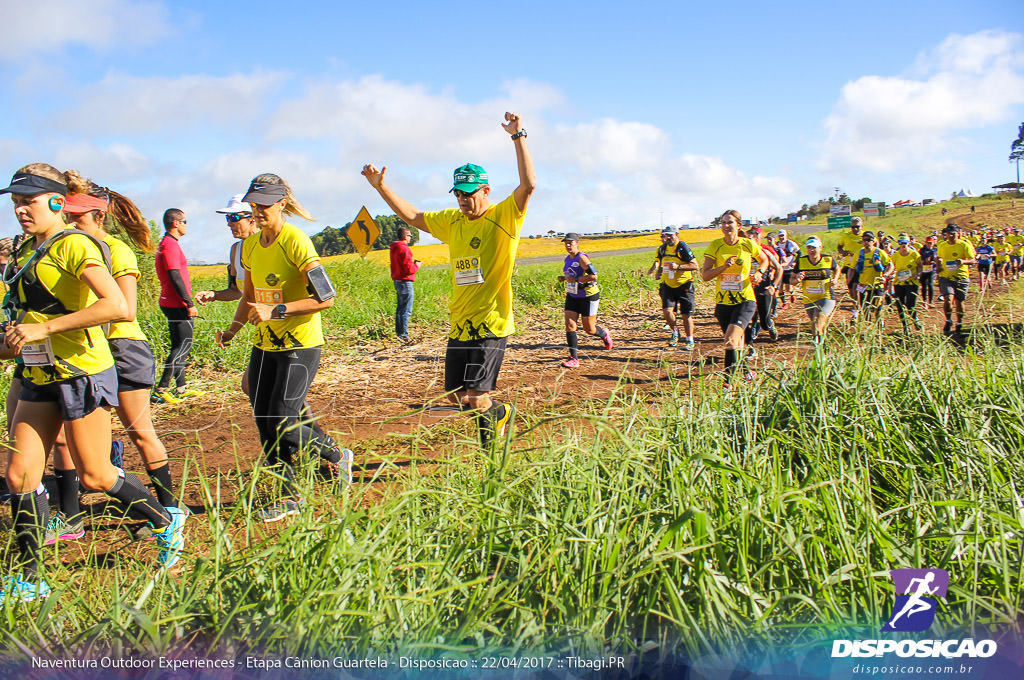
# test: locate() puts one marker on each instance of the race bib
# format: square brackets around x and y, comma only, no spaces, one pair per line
[572,287]
[39,354]
[732,282]
[926,269]
[903,275]
[269,296]
[468,271]
[670,274]
[952,265]
[816,290]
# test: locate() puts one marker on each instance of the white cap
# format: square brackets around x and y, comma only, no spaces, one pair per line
[781,233]
[235,206]
[814,242]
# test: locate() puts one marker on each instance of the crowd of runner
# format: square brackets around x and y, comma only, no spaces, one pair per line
[78,352]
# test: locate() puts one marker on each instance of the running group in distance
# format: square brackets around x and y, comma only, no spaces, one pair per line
[755,274]
[79,353]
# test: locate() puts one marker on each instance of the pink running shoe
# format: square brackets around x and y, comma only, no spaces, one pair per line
[608,344]
[571,363]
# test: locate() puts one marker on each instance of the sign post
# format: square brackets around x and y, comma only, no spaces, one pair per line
[363,232]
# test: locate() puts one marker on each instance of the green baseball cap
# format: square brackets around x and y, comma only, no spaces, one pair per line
[469,177]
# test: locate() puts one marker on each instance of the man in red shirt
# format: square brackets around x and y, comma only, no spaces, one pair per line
[176,304]
[403,273]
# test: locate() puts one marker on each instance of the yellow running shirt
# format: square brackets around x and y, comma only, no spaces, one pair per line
[678,254]
[851,243]
[276,272]
[817,283]
[949,253]
[906,267]
[74,353]
[870,276]
[733,285]
[1002,251]
[123,263]
[483,254]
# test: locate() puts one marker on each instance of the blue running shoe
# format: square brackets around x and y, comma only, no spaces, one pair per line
[16,589]
[171,539]
[117,454]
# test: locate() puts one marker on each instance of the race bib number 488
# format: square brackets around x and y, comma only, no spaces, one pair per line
[468,271]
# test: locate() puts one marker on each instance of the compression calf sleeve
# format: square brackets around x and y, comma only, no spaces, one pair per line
[68,490]
[134,496]
[31,513]
[161,478]
[573,340]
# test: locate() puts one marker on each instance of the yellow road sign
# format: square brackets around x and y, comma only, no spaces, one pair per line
[363,232]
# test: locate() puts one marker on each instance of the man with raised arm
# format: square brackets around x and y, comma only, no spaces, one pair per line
[482,241]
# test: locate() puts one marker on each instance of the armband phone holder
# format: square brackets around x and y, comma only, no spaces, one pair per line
[320,286]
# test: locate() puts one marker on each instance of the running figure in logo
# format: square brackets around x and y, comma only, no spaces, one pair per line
[916,603]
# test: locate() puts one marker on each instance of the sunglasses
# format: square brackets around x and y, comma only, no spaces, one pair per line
[464,194]
[237,217]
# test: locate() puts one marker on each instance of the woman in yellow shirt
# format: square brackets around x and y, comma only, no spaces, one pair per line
[286,288]
[62,293]
[87,208]
[727,261]
[907,269]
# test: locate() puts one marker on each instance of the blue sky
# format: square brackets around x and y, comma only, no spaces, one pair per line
[638,113]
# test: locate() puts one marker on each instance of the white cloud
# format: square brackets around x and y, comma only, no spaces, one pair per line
[107,165]
[894,124]
[47,26]
[121,104]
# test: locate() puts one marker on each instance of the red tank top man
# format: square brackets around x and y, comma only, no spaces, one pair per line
[176,304]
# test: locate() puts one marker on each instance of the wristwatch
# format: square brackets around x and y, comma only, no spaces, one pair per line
[278,312]
[521,133]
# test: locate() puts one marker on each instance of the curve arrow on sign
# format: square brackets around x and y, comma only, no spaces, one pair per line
[366,230]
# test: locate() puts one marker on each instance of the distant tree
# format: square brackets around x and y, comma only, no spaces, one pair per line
[858,205]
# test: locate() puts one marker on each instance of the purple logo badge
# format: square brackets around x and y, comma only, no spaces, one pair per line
[916,590]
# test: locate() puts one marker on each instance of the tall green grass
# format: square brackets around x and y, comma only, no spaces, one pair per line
[749,520]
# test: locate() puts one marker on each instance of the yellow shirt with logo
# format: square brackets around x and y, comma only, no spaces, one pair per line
[906,267]
[947,255]
[123,263]
[817,283]
[75,353]
[1002,251]
[674,254]
[851,243]
[1016,243]
[483,254]
[276,272]
[870,276]
[733,285]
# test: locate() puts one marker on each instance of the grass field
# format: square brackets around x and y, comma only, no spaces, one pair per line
[738,523]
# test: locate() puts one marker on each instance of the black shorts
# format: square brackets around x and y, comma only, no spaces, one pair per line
[473,364]
[684,295]
[133,360]
[950,288]
[735,315]
[984,268]
[787,277]
[584,306]
[19,371]
[77,397]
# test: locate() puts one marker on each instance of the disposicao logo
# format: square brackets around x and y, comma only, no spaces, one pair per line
[916,590]
[912,612]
